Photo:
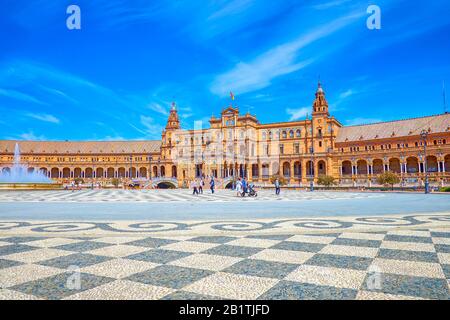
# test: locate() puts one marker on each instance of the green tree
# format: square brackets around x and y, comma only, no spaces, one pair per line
[388,179]
[115,182]
[326,181]
[281,179]
[79,181]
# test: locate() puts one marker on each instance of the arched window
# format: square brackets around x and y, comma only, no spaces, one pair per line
[284,134]
[291,134]
[298,133]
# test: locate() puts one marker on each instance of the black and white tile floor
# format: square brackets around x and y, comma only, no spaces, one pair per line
[390,264]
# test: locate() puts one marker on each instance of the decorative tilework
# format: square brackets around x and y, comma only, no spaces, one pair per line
[8,263]
[445,248]
[169,276]
[117,251]
[61,285]
[286,256]
[338,261]
[299,246]
[118,268]
[350,251]
[336,277]
[311,239]
[286,290]
[24,273]
[232,286]
[76,259]
[14,248]
[122,290]
[429,288]
[159,256]
[261,268]
[357,242]
[408,255]
[82,246]
[393,237]
[410,264]
[218,239]
[151,242]
[206,262]
[409,268]
[36,255]
[233,251]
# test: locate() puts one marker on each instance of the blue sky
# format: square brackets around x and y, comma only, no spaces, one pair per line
[116,77]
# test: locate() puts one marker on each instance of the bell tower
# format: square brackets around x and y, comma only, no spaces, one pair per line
[173,122]
[320,106]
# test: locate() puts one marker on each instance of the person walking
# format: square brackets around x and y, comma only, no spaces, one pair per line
[194,187]
[200,186]
[212,185]
[277,187]
[244,186]
[239,188]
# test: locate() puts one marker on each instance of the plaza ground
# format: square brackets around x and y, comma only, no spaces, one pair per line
[182,205]
[171,245]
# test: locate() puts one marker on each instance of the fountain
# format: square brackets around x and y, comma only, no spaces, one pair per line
[19,177]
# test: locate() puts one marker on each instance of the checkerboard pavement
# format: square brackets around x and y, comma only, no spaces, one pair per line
[118,195]
[395,264]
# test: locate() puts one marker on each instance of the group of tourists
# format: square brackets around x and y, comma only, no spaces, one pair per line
[198,184]
[242,187]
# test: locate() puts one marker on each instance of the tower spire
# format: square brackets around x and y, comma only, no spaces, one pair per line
[320,105]
[173,122]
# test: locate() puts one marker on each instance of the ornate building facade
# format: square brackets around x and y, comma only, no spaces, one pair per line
[237,145]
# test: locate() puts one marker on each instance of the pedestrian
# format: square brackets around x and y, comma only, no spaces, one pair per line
[194,187]
[277,187]
[239,188]
[244,186]
[212,184]
[200,186]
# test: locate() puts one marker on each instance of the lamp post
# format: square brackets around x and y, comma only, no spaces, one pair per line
[424,136]
[311,184]
[150,168]
[130,174]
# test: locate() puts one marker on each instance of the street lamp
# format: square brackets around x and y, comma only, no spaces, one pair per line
[424,136]
[150,168]
[311,184]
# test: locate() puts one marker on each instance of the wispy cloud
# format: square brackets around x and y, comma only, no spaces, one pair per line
[43,117]
[150,130]
[296,114]
[158,108]
[14,94]
[281,60]
[330,4]
[346,94]
[29,135]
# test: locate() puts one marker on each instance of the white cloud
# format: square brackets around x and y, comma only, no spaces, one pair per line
[151,128]
[231,8]
[158,108]
[359,121]
[14,94]
[297,114]
[278,61]
[43,117]
[329,4]
[346,94]
[28,136]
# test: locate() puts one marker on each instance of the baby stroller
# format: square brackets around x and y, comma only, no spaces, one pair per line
[251,190]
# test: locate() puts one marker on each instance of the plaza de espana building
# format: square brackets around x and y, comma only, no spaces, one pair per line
[237,145]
